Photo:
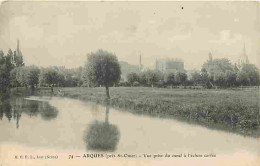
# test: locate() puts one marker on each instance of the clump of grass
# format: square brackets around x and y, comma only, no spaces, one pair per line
[102,136]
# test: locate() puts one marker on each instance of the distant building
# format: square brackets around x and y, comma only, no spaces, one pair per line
[127,68]
[166,65]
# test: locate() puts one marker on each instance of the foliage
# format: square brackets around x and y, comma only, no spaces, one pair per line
[50,76]
[181,78]
[220,79]
[32,78]
[5,68]
[27,76]
[18,60]
[170,78]
[217,66]
[132,77]
[152,76]
[142,78]
[230,79]
[196,78]
[204,76]
[136,83]
[13,77]
[102,68]
[242,78]
[252,73]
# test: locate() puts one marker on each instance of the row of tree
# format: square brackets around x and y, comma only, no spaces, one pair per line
[33,76]
[218,72]
[14,73]
[153,77]
[102,69]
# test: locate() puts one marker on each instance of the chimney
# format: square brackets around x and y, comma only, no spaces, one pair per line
[18,45]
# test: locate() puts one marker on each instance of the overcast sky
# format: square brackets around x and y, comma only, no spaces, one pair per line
[62,33]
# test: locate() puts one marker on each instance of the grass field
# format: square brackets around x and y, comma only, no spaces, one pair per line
[233,110]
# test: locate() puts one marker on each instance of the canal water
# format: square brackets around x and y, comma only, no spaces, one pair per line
[63,127]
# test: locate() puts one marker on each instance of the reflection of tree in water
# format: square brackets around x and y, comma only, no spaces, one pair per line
[29,107]
[12,108]
[5,107]
[17,115]
[1,112]
[102,135]
[47,111]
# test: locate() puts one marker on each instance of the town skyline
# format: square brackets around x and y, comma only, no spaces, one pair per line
[68,31]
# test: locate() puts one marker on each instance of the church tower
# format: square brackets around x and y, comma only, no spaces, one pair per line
[243,59]
[18,58]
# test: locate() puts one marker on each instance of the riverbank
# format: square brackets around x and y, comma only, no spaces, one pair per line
[232,110]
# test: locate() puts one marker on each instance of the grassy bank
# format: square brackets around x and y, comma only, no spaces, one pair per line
[234,110]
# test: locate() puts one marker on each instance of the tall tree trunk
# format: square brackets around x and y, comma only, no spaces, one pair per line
[107,92]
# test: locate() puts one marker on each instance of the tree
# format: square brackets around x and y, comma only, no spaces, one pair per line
[204,75]
[49,76]
[13,77]
[102,68]
[5,68]
[18,60]
[196,78]
[26,76]
[142,78]
[3,76]
[21,76]
[252,72]
[243,78]
[170,78]
[230,78]
[152,77]
[84,78]
[181,78]
[216,69]
[132,77]
[218,65]
[9,60]
[32,77]
[220,79]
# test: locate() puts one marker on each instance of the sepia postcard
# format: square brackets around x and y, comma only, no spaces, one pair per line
[138,83]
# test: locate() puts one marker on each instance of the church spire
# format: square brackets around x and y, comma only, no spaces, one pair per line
[243,59]
[244,50]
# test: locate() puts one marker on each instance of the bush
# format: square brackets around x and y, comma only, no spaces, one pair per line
[136,83]
[124,84]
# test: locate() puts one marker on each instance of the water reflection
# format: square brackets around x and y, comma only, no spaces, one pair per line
[13,108]
[102,136]
[47,111]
